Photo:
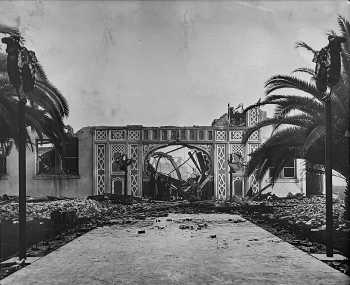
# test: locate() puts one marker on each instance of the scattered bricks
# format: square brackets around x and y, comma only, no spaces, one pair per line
[141,231]
[140,217]
[201,226]
[238,221]
[212,236]
[253,239]
[169,219]
[184,227]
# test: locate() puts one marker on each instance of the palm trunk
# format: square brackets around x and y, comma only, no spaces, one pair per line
[329,184]
[22,179]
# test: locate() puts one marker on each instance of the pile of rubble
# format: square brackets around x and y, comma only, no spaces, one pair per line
[42,210]
[301,222]
[310,212]
[100,210]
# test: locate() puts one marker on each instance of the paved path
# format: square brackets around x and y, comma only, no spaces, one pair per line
[241,253]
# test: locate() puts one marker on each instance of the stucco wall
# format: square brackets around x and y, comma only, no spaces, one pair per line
[49,185]
[283,186]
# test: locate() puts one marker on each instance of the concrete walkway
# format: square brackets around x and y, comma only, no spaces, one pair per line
[208,249]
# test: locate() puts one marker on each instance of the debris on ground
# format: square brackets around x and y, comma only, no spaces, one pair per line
[289,218]
[299,210]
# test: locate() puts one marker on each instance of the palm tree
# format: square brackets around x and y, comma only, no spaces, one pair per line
[299,122]
[46,106]
[37,120]
[43,113]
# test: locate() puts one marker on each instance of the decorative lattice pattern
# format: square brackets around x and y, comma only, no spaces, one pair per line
[236,135]
[133,135]
[220,135]
[134,170]
[101,135]
[254,136]
[221,157]
[253,117]
[254,184]
[115,148]
[237,148]
[221,172]
[117,135]
[221,186]
[100,168]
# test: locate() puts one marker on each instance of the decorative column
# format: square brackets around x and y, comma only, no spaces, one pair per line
[100,161]
[220,165]
[134,153]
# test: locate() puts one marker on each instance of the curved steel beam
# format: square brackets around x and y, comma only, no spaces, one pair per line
[170,158]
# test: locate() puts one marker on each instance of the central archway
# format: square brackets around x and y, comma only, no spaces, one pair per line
[177,171]
[136,141]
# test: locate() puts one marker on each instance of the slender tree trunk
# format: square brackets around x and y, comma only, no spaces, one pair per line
[22,179]
[329,184]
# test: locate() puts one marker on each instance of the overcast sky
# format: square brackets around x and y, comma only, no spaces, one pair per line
[167,62]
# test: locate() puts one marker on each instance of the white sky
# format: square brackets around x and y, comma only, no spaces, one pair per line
[166,62]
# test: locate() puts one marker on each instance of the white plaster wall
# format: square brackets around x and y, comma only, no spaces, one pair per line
[59,186]
[283,186]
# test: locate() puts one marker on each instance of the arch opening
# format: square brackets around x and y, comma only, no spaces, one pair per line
[178,172]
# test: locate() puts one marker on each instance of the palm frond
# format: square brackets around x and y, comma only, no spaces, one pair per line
[55,95]
[290,82]
[305,105]
[301,44]
[11,31]
[301,135]
[41,73]
[302,120]
[317,133]
[298,120]
[344,26]
[331,33]
[306,70]
[284,145]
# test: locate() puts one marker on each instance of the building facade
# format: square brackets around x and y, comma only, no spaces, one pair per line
[88,165]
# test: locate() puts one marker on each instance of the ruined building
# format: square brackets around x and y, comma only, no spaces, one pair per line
[88,166]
